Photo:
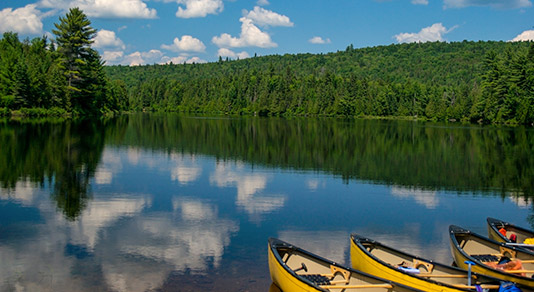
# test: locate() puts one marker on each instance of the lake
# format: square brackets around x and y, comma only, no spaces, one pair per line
[182,203]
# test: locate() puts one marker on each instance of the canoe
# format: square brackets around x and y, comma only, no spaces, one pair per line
[294,270]
[520,233]
[374,258]
[487,253]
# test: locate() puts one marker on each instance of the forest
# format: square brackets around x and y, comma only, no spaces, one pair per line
[475,82]
[63,77]
[479,82]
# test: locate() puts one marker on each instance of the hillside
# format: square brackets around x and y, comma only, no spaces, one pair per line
[470,81]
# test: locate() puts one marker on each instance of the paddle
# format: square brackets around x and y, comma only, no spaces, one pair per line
[469,264]
[519,244]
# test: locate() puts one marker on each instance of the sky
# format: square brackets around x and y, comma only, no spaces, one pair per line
[138,32]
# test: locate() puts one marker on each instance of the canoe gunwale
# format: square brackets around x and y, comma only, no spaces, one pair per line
[456,230]
[275,243]
[494,224]
[359,240]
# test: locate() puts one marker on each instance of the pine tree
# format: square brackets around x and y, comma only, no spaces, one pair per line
[74,36]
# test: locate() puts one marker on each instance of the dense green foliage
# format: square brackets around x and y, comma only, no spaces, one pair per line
[39,77]
[488,82]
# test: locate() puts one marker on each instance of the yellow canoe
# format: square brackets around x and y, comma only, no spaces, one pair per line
[487,253]
[374,258]
[521,234]
[294,270]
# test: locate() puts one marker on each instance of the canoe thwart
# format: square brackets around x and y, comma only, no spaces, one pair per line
[519,271]
[483,286]
[445,276]
[344,273]
[428,266]
[388,286]
[507,252]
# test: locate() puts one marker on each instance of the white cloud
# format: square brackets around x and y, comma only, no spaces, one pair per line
[251,36]
[196,60]
[198,8]
[187,44]
[263,2]
[105,8]
[264,17]
[26,19]
[527,35]
[224,52]
[144,58]
[108,39]
[319,40]
[182,59]
[141,58]
[499,4]
[420,2]
[428,34]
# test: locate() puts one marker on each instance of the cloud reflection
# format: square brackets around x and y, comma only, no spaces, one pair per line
[519,200]
[101,213]
[25,193]
[428,199]
[185,175]
[248,187]
[143,252]
[186,170]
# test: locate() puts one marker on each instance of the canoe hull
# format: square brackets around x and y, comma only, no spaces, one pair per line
[362,260]
[460,238]
[295,270]
[521,233]
[493,230]
[283,279]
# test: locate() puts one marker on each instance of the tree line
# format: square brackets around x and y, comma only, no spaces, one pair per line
[61,77]
[484,82]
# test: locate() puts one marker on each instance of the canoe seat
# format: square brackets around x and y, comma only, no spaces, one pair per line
[486,257]
[317,279]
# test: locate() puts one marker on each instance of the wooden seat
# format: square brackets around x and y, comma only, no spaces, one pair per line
[486,257]
[317,279]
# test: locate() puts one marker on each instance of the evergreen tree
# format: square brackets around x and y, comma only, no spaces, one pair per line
[74,36]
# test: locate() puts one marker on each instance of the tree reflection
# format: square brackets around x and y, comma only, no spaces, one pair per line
[65,154]
[402,153]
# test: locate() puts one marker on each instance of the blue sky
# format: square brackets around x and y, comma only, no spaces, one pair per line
[133,32]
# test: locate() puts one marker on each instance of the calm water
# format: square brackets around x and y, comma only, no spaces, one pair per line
[171,203]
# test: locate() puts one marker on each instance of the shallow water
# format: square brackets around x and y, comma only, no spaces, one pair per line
[174,203]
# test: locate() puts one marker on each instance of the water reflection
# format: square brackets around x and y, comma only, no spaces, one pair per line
[141,254]
[428,199]
[110,164]
[167,202]
[23,193]
[249,188]
[315,184]
[332,245]
[101,213]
